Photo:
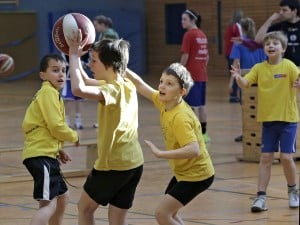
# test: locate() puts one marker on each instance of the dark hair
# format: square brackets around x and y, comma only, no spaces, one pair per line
[44,63]
[292,4]
[182,74]
[109,22]
[238,14]
[101,19]
[194,16]
[113,53]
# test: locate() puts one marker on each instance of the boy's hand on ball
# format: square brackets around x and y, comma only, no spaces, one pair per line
[76,44]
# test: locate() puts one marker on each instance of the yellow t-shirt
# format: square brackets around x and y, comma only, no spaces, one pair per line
[44,126]
[118,145]
[181,127]
[276,96]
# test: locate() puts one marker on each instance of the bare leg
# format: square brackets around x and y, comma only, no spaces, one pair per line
[57,217]
[86,209]
[117,216]
[202,114]
[266,160]
[166,212]
[45,211]
[289,168]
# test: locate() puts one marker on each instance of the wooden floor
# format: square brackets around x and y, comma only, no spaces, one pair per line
[226,202]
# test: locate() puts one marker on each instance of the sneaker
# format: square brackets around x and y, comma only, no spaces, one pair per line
[206,138]
[239,138]
[294,198]
[234,100]
[259,204]
[78,125]
[95,125]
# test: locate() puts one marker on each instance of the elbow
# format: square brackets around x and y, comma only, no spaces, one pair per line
[195,150]
[196,153]
[76,91]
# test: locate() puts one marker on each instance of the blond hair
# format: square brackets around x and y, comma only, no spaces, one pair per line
[276,35]
[248,26]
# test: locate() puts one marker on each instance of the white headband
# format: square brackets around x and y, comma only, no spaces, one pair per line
[191,13]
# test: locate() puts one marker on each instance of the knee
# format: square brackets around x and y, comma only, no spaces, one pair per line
[84,209]
[266,159]
[161,216]
[286,158]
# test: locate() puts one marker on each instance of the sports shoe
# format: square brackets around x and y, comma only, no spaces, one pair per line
[294,198]
[95,125]
[239,138]
[234,100]
[206,138]
[259,204]
[78,125]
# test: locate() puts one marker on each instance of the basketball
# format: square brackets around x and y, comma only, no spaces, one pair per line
[7,65]
[66,25]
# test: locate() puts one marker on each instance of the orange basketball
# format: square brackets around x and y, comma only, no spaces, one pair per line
[7,65]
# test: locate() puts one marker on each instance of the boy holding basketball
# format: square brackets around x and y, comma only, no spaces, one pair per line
[119,165]
[45,131]
[185,146]
[277,79]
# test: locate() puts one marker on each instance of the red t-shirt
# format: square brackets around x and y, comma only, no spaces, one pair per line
[195,44]
[231,31]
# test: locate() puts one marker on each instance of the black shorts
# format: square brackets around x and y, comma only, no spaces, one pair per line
[185,191]
[113,187]
[48,180]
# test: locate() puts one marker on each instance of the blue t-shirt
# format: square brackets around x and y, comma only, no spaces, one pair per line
[247,56]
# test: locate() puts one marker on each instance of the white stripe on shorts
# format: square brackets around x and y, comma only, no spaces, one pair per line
[46,191]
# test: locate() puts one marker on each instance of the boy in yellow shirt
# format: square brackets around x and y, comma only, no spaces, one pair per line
[277,79]
[45,131]
[119,165]
[185,147]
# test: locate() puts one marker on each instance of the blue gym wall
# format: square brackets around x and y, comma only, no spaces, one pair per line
[128,19]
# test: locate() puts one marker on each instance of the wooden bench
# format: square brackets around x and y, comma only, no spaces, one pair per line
[91,155]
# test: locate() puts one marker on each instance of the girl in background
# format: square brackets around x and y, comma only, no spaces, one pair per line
[194,57]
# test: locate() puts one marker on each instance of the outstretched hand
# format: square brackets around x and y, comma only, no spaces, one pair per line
[153,148]
[76,43]
[235,71]
[236,40]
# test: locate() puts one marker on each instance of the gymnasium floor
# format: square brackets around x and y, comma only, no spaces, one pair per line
[226,202]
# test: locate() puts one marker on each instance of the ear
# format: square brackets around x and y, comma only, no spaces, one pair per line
[183,92]
[42,76]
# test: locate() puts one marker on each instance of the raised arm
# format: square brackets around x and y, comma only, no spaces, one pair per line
[264,28]
[88,81]
[141,86]
[79,87]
